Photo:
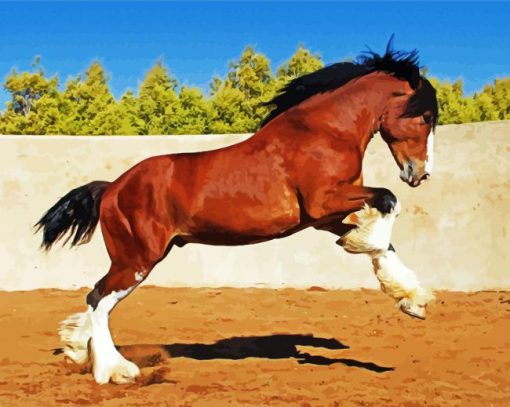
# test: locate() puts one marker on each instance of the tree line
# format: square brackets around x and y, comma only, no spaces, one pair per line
[233,104]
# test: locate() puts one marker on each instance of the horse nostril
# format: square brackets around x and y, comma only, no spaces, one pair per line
[425,177]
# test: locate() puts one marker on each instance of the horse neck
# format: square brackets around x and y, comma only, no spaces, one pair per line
[353,111]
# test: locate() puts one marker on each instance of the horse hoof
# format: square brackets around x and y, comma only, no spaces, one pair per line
[122,372]
[127,374]
[413,310]
[78,357]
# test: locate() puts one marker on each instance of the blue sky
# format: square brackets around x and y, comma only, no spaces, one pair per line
[196,40]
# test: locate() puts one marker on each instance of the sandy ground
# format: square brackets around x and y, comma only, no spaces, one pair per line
[218,347]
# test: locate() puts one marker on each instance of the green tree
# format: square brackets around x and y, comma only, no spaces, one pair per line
[28,87]
[493,103]
[299,64]
[47,115]
[192,113]
[89,106]
[229,111]
[158,101]
[454,108]
[130,122]
[33,108]
[237,101]
[502,98]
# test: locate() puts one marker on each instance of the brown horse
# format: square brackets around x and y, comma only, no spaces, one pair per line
[303,168]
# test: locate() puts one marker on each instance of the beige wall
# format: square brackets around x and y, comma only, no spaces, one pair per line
[454,231]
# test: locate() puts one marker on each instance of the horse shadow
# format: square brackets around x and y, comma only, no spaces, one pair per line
[278,346]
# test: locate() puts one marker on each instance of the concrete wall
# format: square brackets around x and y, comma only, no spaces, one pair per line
[454,231]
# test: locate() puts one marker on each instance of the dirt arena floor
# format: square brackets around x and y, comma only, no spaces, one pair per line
[219,347]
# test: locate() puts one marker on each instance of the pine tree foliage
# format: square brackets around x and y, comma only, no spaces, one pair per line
[493,103]
[157,101]
[193,112]
[234,103]
[301,63]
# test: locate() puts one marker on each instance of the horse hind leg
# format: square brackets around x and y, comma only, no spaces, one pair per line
[132,261]
[86,336]
[372,236]
[107,363]
[138,232]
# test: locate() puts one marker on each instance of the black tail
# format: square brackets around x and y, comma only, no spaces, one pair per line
[78,212]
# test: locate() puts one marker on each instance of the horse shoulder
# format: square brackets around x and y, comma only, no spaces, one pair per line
[322,168]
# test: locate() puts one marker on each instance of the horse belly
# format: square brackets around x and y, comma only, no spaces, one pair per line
[243,220]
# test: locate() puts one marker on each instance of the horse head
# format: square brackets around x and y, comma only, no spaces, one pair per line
[407,126]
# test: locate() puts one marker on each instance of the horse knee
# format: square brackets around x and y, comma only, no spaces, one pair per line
[385,201]
[373,225]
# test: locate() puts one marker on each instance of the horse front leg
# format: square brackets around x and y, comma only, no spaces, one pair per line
[372,235]
[367,229]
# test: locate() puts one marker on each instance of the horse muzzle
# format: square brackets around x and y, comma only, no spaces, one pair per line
[412,176]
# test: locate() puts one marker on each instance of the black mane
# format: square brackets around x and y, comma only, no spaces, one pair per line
[401,64]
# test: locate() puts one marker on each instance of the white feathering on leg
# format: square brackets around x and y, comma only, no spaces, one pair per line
[75,332]
[372,236]
[373,231]
[397,280]
[402,284]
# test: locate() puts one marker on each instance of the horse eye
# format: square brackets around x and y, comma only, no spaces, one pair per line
[427,118]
